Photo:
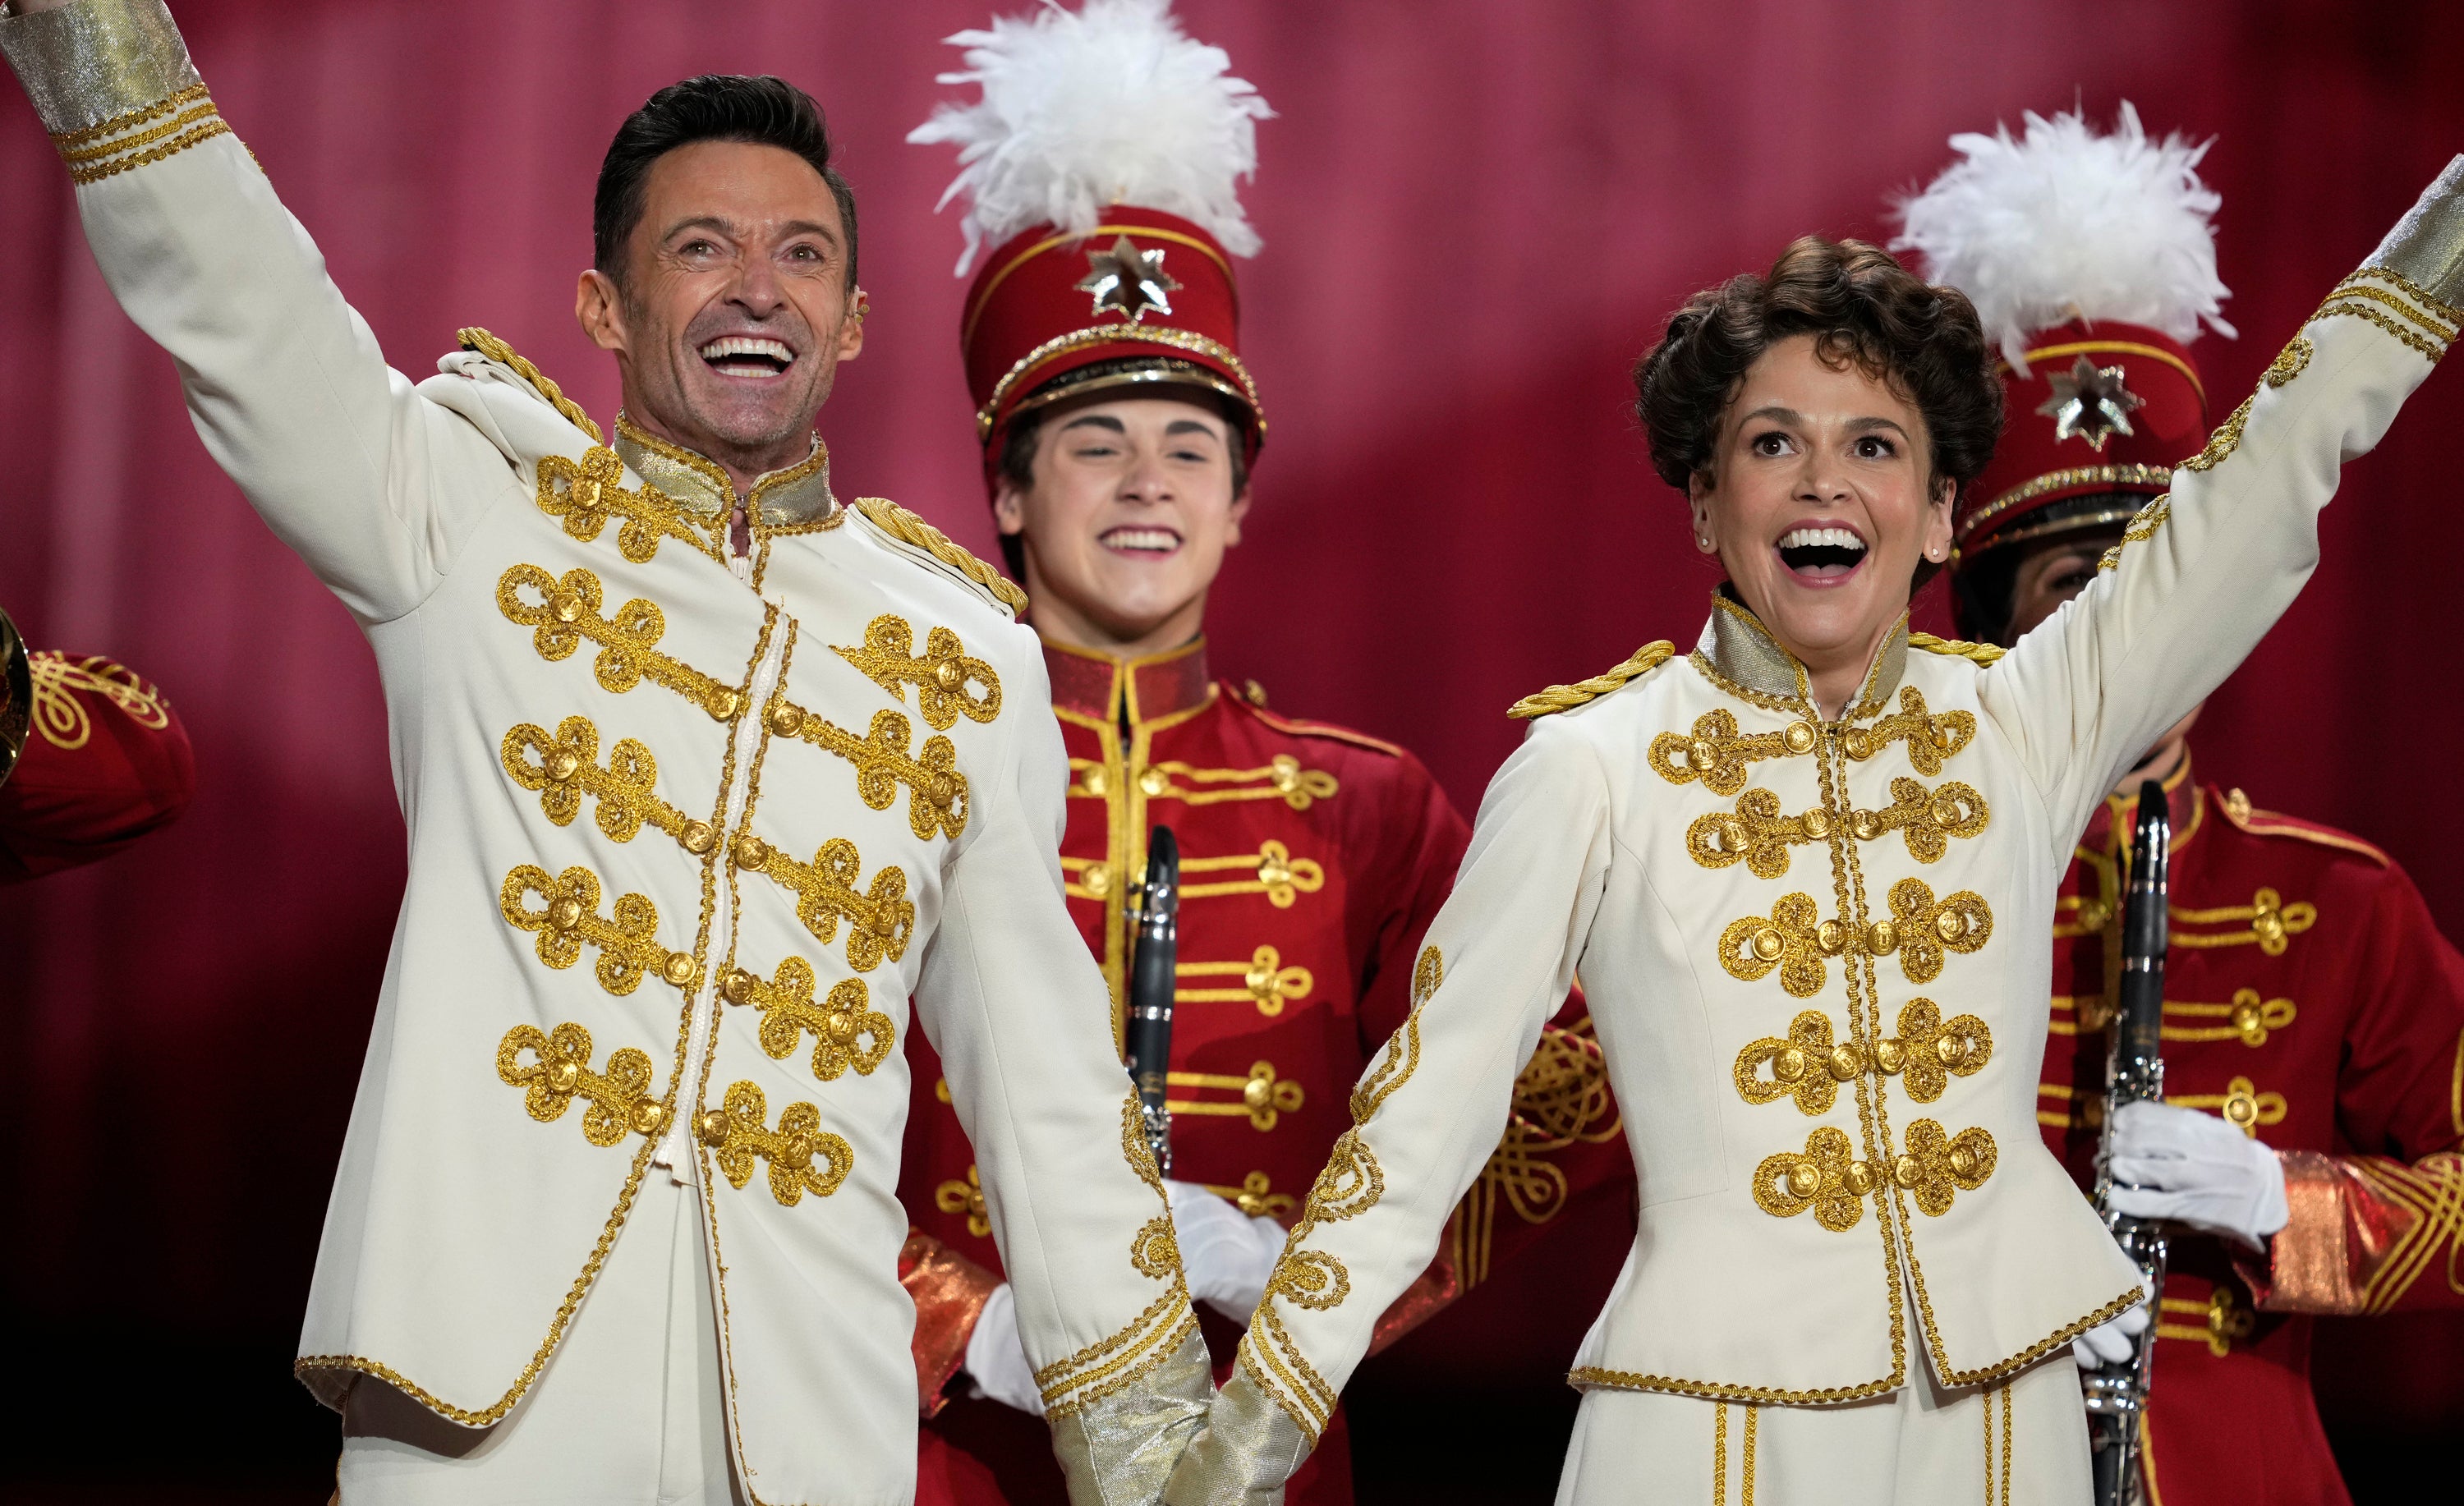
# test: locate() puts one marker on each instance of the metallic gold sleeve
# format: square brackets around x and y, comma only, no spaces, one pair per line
[1249,1448]
[1118,1448]
[2427,246]
[949,1292]
[2363,1230]
[84,65]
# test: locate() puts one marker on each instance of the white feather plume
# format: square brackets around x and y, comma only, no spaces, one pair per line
[1109,104]
[2065,223]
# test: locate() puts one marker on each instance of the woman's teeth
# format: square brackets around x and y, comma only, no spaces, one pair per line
[1156,540]
[1824,554]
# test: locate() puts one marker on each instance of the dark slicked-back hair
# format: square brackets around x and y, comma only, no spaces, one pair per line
[1859,305]
[715,107]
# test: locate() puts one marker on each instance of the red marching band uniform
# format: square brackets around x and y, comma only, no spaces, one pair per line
[90,758]
[2308,997]
[1312,858]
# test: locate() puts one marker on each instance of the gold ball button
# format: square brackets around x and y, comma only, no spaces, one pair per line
[1890,1053]
[565,914]
[1258,1093]
[722,705]
[566,606]
[564,1076]
[842,1026]
[678,969]
[1096,879]
[1817,824]
[1859,743]
[1947,924]
[1951,1050]
[563,765]
[646,1116]
[1803,1179]
[1800,737]
[786,718]
[1946,811]
[1700,755]
[884,922]
[1961,1162]
[2092,915]
[948,675]
[797,1153]
[1844,1061]
[1860,1177]
[711,1124]
[1867,826]
[1788,1066]
[1154,781]
[1767,945]
[1941,734]
[1904,1169]
[1831,936]
[1881,938]
[737,986]
[942,789]
[1094,782]
[751,851]
[699,836]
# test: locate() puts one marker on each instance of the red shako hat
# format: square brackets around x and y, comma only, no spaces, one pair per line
[1103,158]
[2092,263]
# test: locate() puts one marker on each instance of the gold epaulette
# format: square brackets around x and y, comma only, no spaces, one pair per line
[908,529]
[1956,647]
[1566,697]
[480,342]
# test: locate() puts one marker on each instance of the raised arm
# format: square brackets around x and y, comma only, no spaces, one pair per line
[1014,1004]
[2204,571]
[1497,961]
[373,486]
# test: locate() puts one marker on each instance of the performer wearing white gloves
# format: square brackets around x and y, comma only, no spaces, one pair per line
[1798,871]
[626,1230]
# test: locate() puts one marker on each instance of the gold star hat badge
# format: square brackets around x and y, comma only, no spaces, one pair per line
[2089,401]
[1128,281]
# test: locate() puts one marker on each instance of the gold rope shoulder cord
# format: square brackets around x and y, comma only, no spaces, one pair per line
[475,339]
[1955,649]
[1566,697]
[908,529]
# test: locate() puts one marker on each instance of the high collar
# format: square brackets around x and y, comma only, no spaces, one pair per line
[1746,660]
[796,497]
[1112,691]
[2115,821]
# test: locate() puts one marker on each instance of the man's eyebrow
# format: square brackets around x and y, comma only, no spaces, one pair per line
[1095,421]
[718,223]
[1190,426]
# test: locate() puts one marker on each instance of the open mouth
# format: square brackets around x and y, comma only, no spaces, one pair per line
[747,356]
[1150,542]
[1821,554]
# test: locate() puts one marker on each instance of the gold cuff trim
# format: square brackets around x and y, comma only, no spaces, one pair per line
[101,67]
[1104,1368]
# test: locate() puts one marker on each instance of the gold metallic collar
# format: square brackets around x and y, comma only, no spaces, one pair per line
[1742,657]
[797,496]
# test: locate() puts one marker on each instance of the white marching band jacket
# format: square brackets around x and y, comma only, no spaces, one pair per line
[687,831]
[1815,952]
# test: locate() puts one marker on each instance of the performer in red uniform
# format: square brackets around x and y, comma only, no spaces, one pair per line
[2314,1018]
[91,759]
[1119,426]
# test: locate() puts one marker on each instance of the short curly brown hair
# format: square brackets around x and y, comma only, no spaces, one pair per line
[1860,305]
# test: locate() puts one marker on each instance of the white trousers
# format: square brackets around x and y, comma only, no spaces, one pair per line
[2021,1445]
[626,1412]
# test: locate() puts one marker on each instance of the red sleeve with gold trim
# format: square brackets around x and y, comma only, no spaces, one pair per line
[105,762]
[2382,1229]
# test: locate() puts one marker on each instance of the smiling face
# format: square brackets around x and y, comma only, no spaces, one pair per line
[1124,524]
[734,309]
[1821,502]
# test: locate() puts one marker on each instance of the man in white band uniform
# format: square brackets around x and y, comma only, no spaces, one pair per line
[627,1230]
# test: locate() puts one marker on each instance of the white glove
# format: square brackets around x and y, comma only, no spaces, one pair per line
[2109,1342]
[996,1360]
[1225,1255]
[2198,1169]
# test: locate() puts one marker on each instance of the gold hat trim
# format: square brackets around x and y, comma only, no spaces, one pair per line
[983,300]
[2114,347]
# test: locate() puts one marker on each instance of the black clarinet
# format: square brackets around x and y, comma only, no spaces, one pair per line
[1147,1041]
[2134,1072]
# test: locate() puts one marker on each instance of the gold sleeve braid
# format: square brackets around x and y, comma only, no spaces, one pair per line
[1566,697]
[1956,649]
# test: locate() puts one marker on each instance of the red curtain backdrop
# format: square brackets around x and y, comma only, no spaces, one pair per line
[1475,215]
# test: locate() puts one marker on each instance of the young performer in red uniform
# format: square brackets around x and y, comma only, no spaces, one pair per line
[1119,425]
[2314,1018]
[90,758]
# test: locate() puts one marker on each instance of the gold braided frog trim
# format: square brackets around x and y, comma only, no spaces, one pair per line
[620,1098]
[565,767]
[880,920]
[1566,697]
[1758,834]
[1931,737]
[908,529]
[1797,942]
[2142,528]
[739,1134]
[1933,1167]
[942,674]
[1717,753]
[568,613]
[937,791]
[586,495]
[1808,1067]
[846,1031]
[569,919]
